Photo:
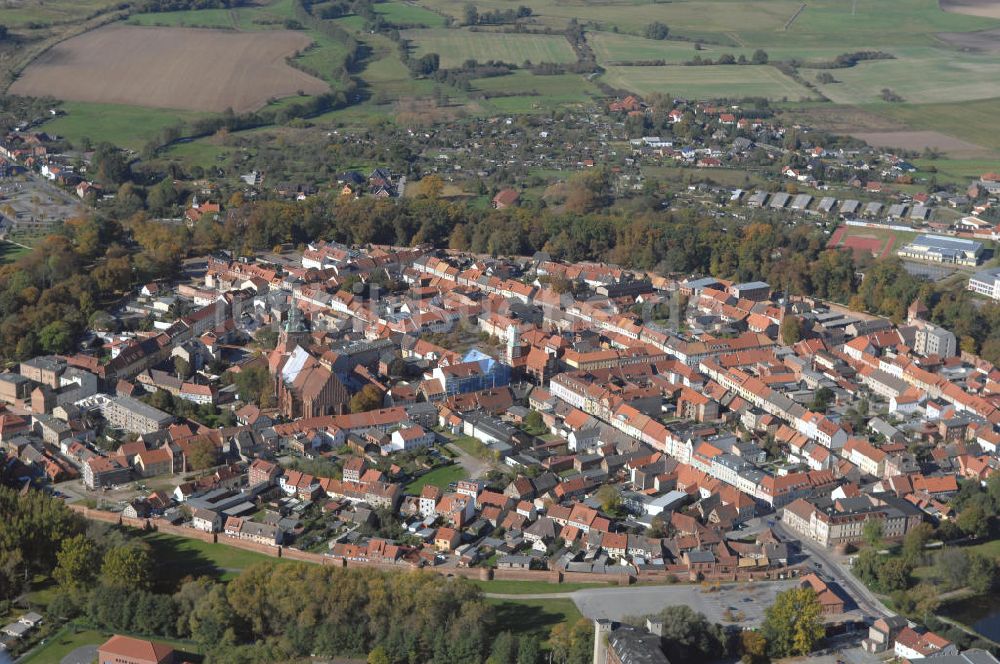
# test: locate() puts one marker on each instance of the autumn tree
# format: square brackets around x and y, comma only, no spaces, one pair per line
[203,454]
[793,625]
[369,398]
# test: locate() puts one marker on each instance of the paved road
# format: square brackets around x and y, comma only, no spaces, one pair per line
[832,568]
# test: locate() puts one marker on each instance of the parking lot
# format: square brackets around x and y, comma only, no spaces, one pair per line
[30,205]
[615,603]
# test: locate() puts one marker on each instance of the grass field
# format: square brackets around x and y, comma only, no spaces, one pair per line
[19,13]
[920,76]
[178,557]
[125,126]
[457,46]
[757,23]
[533,616]
[974,121]
[400,13]
[616,47]
[532,587]
[709,82]
[535,93]
[439,477]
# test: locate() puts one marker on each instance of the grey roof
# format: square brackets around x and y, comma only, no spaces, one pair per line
[635,646]
[972,656]
[802,201]
[850,206]
[780,200]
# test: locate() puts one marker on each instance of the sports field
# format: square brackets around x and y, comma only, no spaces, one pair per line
[185,68]
[875,242]
[457,46]
[708,82]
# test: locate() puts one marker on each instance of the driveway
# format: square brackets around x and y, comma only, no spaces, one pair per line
[82,655]
[474,466]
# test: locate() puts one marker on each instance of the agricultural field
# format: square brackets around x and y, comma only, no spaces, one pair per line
[406,14]
[708,82]
[534,93]
[19,14]
[921,76]
[185,68]
[457,46]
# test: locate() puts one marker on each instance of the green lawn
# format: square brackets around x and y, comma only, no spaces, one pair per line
[10,252]
[439,477]
[125,126]
[708,82]
[533,616]
[178,557]
[532,587]
[266,17]
[455,46]
[402,13]
[536,93]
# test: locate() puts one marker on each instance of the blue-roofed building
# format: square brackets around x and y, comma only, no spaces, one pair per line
[477,371]
[940,249]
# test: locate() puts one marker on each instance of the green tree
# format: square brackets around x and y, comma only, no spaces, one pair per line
[529,651]
[610,499]
[533,423]
[128,567]
[56,337]
[657,30]
[791,330]
[982,575]
[793,625]
[76,565]
[822,399]
[759,57]
[915,541]
[182,368]
[893,575]
[974,521]
[688,636]
[872,532]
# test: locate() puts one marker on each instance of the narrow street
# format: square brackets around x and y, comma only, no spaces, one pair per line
[832,568]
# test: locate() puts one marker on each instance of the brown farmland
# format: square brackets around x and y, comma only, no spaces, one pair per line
[918,140]
[984,8]
[182,68]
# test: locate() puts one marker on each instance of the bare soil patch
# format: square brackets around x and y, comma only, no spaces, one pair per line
[182,68]
[984,40]
[919,140]
[984,8]
[840,119]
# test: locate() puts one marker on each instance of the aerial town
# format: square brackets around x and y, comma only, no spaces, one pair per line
[562,345]
[476,420]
